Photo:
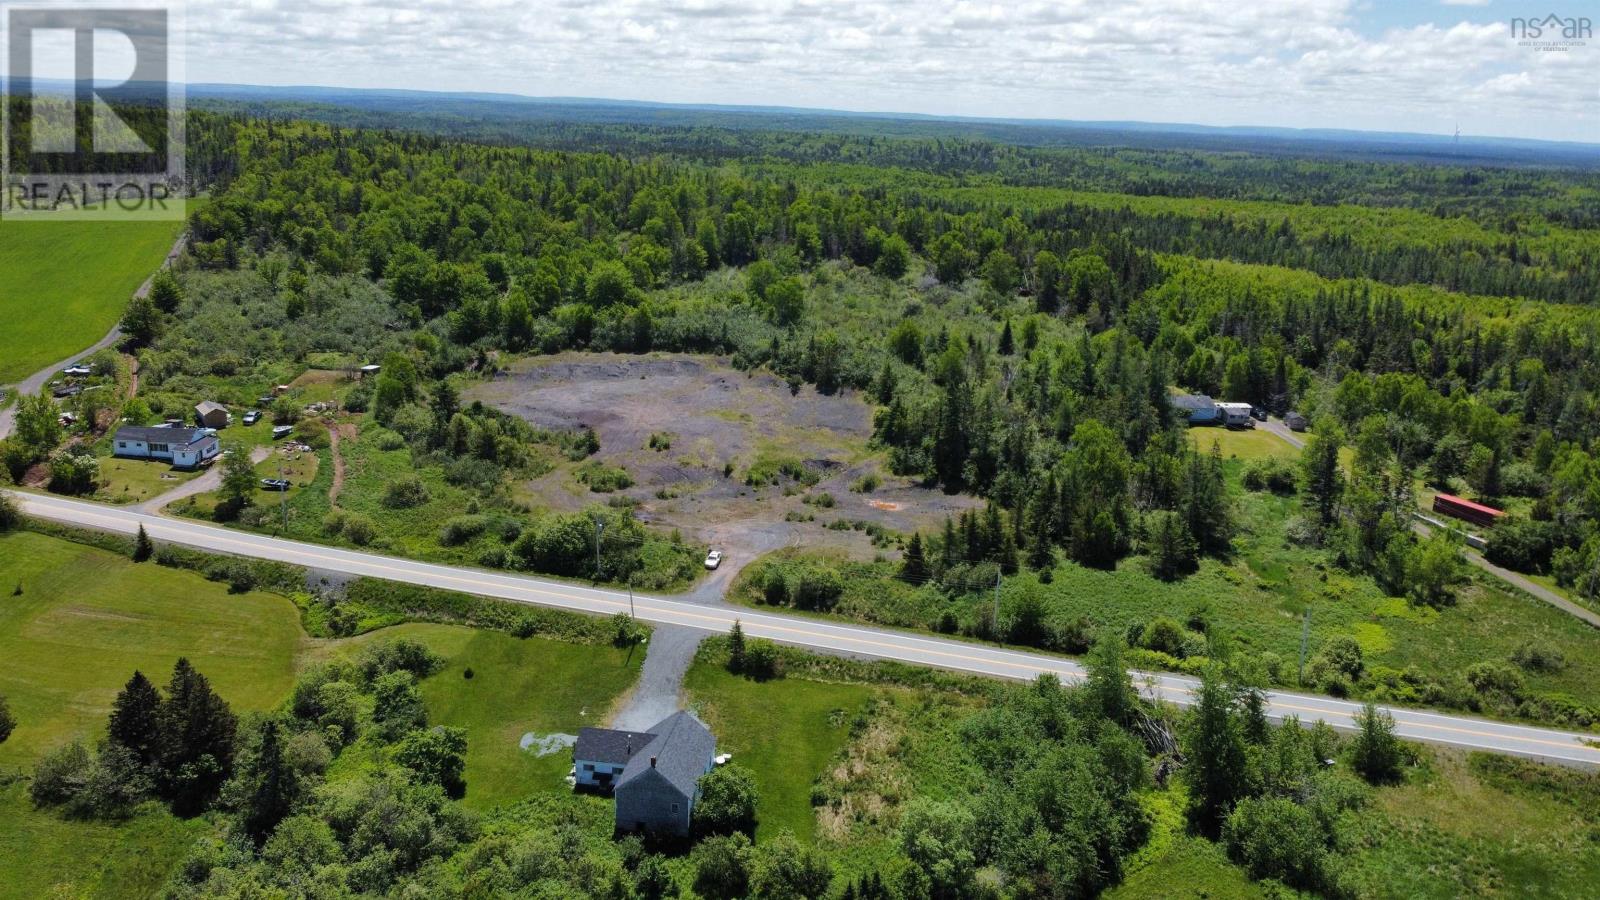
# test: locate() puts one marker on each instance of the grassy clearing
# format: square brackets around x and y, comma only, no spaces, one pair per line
[68,284]
[785,732]
[87,859]
[87,618]
[1246,446]
[517,686]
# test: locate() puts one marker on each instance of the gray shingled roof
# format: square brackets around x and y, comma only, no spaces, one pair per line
[177,437]
[606,745]
[681,748]
[207,408]
[1193,401]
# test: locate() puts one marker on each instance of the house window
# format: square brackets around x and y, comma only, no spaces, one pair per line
[588,767]
[674,809]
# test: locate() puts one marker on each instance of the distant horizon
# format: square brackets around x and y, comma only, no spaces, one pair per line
[1154,125]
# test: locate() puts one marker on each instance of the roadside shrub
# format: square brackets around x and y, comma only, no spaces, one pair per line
[1375,752]
[1523,545]
[461,529]
[775,587]
[1495,680]
[405,493]
[471,472]
[818,588]
[1276,838]
[866,484]
[660,441]
[1536,657]
[1163,635]
[10,515]
[359,530]
[399,655]
[761,660]
[823,500]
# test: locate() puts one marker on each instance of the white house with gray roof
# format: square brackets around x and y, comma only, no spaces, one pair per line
[185,448]
[654,774]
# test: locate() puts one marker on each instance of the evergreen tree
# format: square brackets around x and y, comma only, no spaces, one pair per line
[135,721]
[1217,766]
[736,648]
[142,548]
[1008,344]
[271,786]
[1375,752]
[197,741]
[914,567]
[1172,550]
[1322,478]
[1108,689]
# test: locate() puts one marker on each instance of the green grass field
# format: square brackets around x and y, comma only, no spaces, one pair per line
[1244,445]
[785,732]
[87,618]
[518,686]
[66,284]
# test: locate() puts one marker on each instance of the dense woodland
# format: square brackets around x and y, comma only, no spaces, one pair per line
[1034,355]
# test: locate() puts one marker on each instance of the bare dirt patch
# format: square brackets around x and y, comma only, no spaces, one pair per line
[691,431]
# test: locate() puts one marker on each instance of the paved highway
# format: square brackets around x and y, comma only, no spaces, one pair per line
[853,640]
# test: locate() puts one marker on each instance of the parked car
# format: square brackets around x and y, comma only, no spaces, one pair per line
[1259,413]
[713,559]
[252,417]
[274,484]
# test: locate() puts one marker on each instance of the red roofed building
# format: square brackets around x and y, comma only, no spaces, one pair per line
[1466,510]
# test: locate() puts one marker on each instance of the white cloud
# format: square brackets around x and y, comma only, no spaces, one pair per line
[1311,63]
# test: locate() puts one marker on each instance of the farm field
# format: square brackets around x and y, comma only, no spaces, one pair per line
[86,618]
[67,284]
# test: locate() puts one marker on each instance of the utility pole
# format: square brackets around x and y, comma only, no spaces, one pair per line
[630,595]
[283,495]
[997,603]
[1305,635]
[599,529]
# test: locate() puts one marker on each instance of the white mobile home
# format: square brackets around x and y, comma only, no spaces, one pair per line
[185,448]
[1237,415]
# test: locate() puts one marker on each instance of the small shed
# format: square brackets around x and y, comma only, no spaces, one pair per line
[211,415]
[369,370]
[1466,510]
[1296,422]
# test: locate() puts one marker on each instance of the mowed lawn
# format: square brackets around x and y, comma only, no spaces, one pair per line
[518,686]
[84,621]
[64,284]
[87,618]
[786,732]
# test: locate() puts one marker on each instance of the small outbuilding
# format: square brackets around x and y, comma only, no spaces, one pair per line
[1296,422]
[211,415]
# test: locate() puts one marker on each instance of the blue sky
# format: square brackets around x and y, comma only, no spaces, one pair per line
[1421,65]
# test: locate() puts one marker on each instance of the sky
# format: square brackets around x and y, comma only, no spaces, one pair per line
[1402,65]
